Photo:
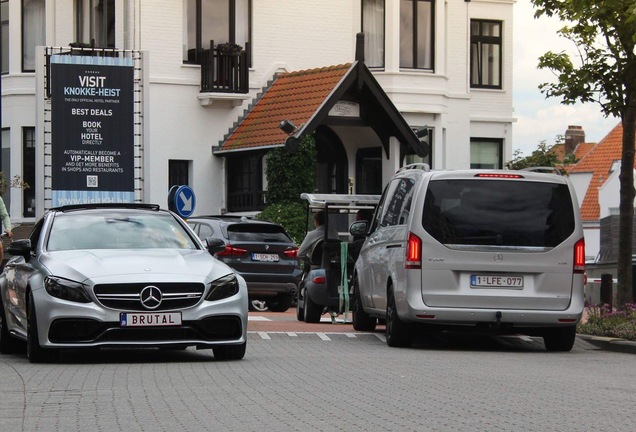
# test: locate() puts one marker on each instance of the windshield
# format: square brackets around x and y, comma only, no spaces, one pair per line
[117,230]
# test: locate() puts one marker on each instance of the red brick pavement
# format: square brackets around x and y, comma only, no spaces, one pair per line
[287,322]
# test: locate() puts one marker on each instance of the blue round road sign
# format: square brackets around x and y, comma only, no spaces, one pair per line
[182,201]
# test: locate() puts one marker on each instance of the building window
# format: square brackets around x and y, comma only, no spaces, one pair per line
[245,182]
[373,29]
[408,155]
[369,171]
[216,20]
[178,173]
[485,54]
[486,153]
[28,171]
[95,22]
[4,34]
[33,31]
[416,34]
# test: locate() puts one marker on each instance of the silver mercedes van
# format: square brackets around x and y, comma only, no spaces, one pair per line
[496,251]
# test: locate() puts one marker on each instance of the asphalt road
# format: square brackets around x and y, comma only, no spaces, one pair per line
[325,377]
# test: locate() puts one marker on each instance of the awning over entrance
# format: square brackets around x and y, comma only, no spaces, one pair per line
[342,95]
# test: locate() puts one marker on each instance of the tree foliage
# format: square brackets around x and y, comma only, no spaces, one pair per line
[542,156]
[604,33]
[289,175]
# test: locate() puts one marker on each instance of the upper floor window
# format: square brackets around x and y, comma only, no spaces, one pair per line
[4,35]
[373,29]
[485,53]
[216,20]
[34,31]
[416,34]
[95,22]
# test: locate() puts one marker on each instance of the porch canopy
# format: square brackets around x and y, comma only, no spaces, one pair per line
[342,96]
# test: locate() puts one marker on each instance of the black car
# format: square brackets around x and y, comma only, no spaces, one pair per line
[262,252]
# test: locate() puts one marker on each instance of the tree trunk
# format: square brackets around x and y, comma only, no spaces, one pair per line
[626,221]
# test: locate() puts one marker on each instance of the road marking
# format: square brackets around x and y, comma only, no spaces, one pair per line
[264,335]
[257,318]
[292,334]
[380,336]
[323,336]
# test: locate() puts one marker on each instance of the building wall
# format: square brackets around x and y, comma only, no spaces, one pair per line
[287,35]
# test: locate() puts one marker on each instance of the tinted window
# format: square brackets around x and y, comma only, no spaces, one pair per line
[257,233]
[398,205]
[498,213]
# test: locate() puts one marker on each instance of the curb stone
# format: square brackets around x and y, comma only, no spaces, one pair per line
[610,344]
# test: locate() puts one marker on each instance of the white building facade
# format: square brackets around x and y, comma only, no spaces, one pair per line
[445,65]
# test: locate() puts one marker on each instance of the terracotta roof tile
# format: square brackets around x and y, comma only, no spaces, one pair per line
[598,162]
[294,96]
[579,152]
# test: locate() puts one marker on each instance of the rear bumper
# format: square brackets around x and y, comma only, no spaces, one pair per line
[272,285]
[264,289]
[415,310]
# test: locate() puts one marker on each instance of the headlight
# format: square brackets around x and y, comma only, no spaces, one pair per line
[224,287]
[66,289]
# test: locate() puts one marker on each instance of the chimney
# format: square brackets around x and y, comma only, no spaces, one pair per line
[573,137]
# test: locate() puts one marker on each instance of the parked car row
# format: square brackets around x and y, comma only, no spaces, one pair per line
[476,250]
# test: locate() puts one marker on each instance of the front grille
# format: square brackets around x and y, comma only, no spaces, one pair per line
[127,296]
[83,330]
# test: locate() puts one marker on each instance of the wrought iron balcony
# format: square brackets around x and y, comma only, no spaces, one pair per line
[224,68]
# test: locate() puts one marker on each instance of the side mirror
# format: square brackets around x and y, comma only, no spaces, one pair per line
[20,248]
[359,228]
[214,245]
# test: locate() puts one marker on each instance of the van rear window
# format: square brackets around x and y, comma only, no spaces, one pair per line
[498,213]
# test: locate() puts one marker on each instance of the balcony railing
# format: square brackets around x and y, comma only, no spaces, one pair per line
[224,68]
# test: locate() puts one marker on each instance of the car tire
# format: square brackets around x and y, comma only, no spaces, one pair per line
[35,353]
[300,311]
[258,306]
[361,320]
[313,311]
[279,304]
[398,333]
[230,352]
[8,344]
[559,339]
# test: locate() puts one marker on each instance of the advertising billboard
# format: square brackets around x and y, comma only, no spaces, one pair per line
[92,130]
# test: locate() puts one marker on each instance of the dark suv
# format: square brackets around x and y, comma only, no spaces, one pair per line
[262,252]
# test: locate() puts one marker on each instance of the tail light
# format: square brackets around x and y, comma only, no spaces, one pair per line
[232,251]
[499,175]
[319,279]
[413,252]
[579,256]
[291,253]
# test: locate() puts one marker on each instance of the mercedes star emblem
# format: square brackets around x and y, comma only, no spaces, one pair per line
[150,297]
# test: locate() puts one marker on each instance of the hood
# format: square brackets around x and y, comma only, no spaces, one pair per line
[131,265]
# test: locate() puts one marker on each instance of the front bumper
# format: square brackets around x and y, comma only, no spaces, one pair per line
[64,324]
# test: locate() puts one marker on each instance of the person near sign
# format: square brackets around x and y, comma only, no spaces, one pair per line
[6,222]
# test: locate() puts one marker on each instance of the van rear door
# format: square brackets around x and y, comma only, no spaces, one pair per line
[499,241]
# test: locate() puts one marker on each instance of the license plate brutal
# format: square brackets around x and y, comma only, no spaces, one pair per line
[265,257]
[127,319]
[496,281]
